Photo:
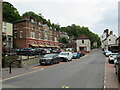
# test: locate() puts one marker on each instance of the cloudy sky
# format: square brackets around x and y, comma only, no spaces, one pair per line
[98,15]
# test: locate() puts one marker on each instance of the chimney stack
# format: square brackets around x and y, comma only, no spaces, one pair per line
[106,31]
[111,32]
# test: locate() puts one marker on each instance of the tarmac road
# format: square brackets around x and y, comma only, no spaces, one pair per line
[86,72]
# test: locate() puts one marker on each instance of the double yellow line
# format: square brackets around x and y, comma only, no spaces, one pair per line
[65,87]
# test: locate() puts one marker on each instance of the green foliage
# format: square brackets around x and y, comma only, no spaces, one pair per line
[63,40]
[77,31]
[32,15]
[10,13]
[3,38]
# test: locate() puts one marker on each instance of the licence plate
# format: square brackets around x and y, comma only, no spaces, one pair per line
[43,62]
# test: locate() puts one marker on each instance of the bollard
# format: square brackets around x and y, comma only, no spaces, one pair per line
[10,67]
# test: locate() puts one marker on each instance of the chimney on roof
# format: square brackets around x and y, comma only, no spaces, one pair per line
[106,31]
[111,32]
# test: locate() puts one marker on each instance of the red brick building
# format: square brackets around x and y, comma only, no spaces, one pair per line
[32,33]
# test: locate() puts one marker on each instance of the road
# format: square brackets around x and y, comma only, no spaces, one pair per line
[86,72]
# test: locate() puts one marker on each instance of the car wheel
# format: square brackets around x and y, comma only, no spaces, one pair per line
[109,61]
[51,62]
[66,60]
[41,63]
[115,72]
[119,75]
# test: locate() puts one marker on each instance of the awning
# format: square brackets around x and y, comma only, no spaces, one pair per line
[53,46]
[47,46]
[42,45]
[34,45]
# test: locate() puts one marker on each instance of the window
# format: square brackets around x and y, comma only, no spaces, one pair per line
[109,39]
[9,39]
[32,35]
[39,36]
[21,34]
[15,34]
[82,41]
[4,29]
[46,37]
[5,24]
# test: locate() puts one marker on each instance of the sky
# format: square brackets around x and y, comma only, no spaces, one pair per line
[97,15]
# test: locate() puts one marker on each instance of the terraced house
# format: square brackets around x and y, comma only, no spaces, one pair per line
[32,33]
[7,31]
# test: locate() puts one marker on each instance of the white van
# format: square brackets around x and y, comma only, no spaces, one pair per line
[65,56]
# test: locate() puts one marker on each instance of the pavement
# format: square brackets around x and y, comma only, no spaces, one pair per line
[90,71]
[111,79]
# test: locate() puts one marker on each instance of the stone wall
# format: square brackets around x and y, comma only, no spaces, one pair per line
[21,61]
[28,62]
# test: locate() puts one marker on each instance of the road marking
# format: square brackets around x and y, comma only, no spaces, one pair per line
[65,87]
[20,75]
[105,76]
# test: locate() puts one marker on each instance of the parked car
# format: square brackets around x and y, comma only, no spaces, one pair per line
[38,51]
[82,54]
[108,53]
[76,55]
[65,56]
[47,51]
[61,50]
[117,66]
[105,51]
[55,51]
[26,51]
[112,57]
[49,59]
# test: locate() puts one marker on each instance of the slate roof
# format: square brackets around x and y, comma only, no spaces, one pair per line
[83,37]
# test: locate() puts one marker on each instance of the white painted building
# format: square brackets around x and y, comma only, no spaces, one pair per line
[7,30]
[109,40]
[83,43]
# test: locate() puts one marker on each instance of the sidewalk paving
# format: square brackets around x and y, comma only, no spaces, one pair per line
[111,79]
[17,71]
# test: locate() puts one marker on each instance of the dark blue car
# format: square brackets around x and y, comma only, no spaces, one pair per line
[76,55]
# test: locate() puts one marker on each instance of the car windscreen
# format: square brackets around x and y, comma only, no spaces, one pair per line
[49,55]
[64,53]
[75,53]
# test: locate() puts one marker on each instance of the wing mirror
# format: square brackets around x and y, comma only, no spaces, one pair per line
[117,63]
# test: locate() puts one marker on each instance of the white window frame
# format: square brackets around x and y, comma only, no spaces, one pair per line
[21,34]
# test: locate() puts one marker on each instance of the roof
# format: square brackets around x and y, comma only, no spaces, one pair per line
[22,20]
[118,38]
[83,37]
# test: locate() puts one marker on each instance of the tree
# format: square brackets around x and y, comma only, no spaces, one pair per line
[10,13]
[63,40]
[76,31]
